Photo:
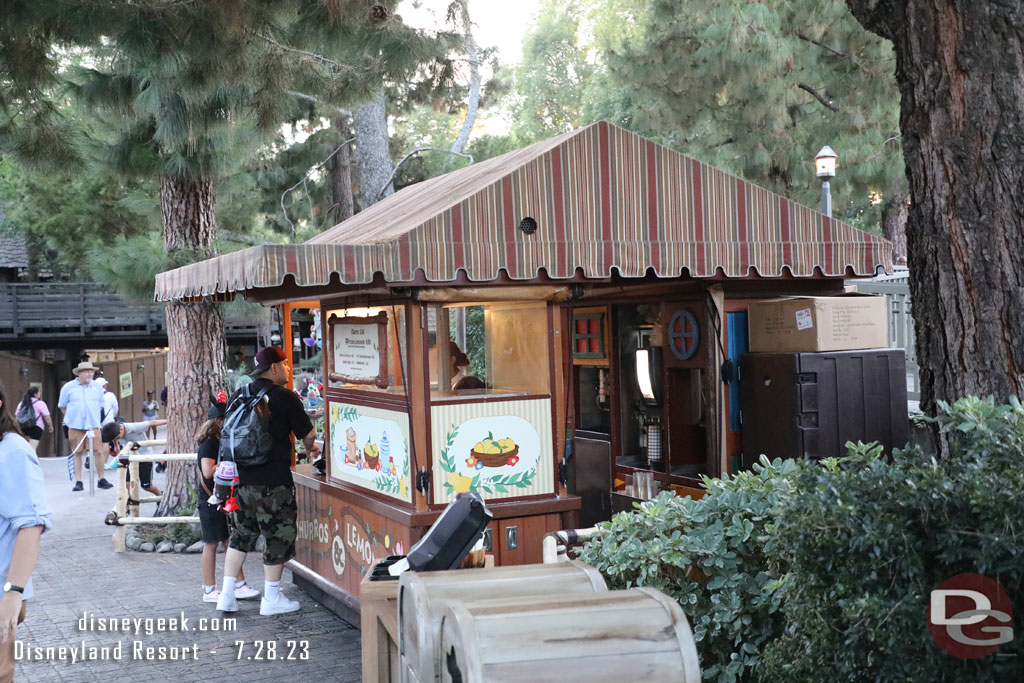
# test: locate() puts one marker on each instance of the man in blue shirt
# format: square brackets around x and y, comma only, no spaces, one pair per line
[81,401]
[24,516]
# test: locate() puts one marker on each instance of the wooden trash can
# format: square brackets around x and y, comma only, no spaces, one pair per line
[423,596]
[635,635]
[378,626]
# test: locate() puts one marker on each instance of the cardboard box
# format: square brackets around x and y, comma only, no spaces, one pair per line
[821,323]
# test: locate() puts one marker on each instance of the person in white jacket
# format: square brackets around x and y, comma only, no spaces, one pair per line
[110,406]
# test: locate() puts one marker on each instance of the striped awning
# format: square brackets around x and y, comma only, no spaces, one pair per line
[605,201]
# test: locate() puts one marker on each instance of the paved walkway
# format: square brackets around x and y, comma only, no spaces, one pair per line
[79,573]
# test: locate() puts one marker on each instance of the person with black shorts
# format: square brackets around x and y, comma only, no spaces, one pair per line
[212,520]
[265,493]
[36,415]
[120,433]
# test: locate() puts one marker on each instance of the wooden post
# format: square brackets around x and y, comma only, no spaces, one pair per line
[286,340]
[134,488]
[122,502]
[378,626]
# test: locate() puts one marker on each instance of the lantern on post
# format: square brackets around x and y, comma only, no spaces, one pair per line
[825,168]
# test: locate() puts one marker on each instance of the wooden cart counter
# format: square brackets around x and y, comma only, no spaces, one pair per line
[343,532]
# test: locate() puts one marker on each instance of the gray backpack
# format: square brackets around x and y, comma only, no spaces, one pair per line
[26,416]
[245,436]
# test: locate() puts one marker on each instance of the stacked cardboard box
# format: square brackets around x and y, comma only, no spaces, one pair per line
[822,323]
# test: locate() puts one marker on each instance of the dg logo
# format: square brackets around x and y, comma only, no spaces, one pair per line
[969,616]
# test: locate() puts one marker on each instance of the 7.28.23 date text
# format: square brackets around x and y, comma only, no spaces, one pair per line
[269,650]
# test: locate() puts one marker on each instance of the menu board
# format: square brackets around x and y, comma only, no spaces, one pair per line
[358,350]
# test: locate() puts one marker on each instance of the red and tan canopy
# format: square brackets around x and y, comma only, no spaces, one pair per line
[604,200]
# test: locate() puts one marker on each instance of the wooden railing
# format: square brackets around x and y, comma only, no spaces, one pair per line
[83,309]
[896,288]
[126,510]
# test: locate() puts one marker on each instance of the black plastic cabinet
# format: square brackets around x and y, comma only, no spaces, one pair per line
[796,404]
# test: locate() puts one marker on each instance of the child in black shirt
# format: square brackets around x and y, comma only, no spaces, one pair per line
[213,520]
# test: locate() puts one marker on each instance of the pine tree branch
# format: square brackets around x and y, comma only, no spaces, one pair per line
[410,155]
[320,58]
[818,96]
[303,181]
[317,100]
[240,238]
[823,46]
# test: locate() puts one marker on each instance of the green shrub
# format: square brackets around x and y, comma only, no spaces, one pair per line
[865,540]
[712,555]
[186,533]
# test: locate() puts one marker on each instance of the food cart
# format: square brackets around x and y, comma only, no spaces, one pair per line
[538,327]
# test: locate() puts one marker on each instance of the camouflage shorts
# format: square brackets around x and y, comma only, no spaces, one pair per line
[269,511]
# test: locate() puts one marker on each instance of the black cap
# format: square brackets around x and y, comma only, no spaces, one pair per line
[216,410]
[266,357]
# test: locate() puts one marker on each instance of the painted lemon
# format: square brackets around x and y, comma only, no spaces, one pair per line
[463,484]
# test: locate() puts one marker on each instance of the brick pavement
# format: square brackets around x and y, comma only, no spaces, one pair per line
[78,572]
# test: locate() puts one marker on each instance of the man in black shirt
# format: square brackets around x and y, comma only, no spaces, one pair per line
[266,494]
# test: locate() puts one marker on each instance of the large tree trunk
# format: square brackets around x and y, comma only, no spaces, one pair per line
[342,207]
[962,118]
[894,225]
[195,333]
[474,82]
[372,155]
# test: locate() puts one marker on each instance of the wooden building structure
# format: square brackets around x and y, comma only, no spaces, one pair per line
[596,283]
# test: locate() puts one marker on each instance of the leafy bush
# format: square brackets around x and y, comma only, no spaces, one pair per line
[187,533]
[866,540]
[713,556]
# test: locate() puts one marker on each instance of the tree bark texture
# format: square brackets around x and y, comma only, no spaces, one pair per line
[342,207]
[372,155]
[894,225]
[195,333]
[958,68]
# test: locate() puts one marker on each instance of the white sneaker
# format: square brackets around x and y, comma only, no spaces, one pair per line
[245,592]
[212,596]
[226,603]
[280,606]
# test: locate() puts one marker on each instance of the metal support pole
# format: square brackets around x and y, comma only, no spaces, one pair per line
[826,199]
[92,464]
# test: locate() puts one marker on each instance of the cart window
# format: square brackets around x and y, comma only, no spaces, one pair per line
[366,349]
[494,348]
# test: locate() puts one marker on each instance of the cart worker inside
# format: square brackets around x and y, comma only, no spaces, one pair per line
[81,401]
[458,378]
[461,379]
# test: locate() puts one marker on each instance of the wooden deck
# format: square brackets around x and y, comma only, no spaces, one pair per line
[41,312]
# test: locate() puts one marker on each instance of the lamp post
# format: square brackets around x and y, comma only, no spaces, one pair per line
[825,166]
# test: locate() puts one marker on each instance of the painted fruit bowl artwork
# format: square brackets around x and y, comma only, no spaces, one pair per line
[493,452]
[371,454]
